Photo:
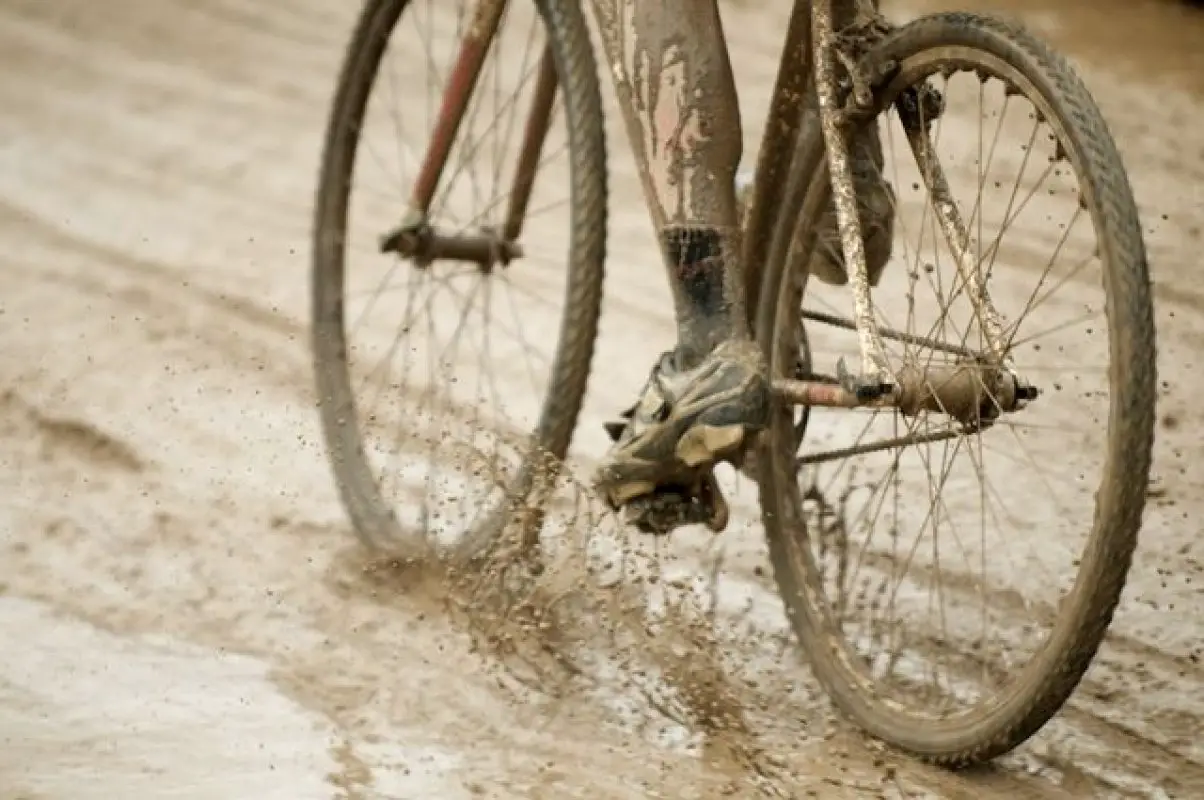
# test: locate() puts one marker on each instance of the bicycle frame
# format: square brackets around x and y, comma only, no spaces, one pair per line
[809,49]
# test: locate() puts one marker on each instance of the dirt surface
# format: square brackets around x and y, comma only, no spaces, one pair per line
[183,610]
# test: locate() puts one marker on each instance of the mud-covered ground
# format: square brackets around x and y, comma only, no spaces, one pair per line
[183,609]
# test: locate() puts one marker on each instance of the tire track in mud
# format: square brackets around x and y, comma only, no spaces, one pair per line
[65,438]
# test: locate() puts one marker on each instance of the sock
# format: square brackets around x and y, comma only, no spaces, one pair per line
[705,292]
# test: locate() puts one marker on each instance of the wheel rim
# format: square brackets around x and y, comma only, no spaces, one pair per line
[860,577]
[443,395]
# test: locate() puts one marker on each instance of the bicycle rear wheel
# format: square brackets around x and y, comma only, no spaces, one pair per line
[445,375]
[848,550]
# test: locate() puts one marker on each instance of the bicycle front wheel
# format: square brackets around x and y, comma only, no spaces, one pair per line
[951,581]
[459,236]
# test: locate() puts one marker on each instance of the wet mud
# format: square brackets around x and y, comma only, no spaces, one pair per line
[184,611]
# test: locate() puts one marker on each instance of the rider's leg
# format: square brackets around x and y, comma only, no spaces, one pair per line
[675,84]
[678,96]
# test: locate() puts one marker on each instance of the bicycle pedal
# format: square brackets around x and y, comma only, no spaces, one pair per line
[672,507]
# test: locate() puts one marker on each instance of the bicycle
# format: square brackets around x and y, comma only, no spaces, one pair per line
[862,76]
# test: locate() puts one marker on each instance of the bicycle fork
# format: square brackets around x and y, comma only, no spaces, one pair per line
[414,237]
